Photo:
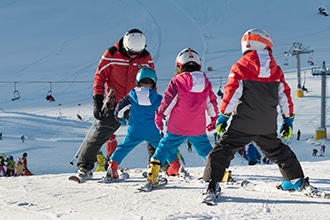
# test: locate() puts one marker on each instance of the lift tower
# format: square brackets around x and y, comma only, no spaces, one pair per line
[296,50]
[322,131]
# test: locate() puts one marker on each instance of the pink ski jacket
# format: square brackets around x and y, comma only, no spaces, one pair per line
[186,99]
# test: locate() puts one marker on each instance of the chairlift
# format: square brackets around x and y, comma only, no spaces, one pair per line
[310,61]
[16,94]
[78,113]
[286,62]
[304,87]
[49,96]
[59,111]
[220,93]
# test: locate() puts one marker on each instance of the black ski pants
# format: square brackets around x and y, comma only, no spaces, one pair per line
[272,147]
[104,129]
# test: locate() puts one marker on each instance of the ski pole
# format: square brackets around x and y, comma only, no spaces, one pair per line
[87,136]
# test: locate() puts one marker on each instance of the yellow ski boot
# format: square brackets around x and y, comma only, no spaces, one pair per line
[153,171]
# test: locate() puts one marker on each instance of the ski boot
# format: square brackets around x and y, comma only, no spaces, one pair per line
[227,177]
[174,168]
[153,171]
[112,171]
[84,173]
[212,192]
[298,184]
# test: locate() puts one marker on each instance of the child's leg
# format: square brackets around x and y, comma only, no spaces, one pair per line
[223,152]
[281,154]
[124,148]
[168,146]
[201,144]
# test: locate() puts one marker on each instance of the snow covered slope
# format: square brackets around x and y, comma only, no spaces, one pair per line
[56,45]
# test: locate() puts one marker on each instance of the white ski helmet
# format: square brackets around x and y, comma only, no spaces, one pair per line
[256,39]
[146,72]
[187,55]
[134,41]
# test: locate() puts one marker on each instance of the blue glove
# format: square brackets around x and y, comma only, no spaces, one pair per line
[286,128]
[222,123]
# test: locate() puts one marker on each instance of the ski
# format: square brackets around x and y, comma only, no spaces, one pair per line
[209,199]
[310,191]
[78,179]
[149,186]
[122,177]
[183,174]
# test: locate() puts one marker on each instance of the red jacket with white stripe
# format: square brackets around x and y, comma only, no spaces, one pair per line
[116,69]
[256,86]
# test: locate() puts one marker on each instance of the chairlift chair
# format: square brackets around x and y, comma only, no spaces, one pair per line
[78,113]
[49,96]
[220,93]
[16,94]
[286,62]
[310,61]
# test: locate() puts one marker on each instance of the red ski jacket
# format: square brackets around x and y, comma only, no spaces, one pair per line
[256,86]
[117,70]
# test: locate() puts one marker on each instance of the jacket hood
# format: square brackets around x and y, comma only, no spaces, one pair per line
[144,96]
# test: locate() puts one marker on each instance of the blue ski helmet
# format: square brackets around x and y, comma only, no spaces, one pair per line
[146,72]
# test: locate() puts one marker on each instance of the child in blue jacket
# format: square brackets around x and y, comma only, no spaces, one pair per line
[142,103]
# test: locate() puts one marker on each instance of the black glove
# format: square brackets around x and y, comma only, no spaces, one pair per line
[97,109]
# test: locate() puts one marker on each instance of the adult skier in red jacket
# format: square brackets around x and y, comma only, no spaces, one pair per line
[117,69]
[255,88]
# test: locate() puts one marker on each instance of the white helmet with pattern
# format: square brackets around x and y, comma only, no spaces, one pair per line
[187,55]
[256,39]
[134,41]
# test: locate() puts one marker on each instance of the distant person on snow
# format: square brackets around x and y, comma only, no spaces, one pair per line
[117,69]
[26,172]
[2,164]
[23,138]
[10,163]
[253,154]
[186,99]
[298,134]
[322,150]
[19,168]
[142,103]
[315,152]
[253,79]
[100,161]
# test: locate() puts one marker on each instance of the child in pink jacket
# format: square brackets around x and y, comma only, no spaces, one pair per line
[186,99]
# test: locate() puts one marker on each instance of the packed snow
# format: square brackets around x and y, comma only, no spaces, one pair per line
[54,46]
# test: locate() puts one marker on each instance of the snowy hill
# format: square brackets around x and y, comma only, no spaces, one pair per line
[56,45]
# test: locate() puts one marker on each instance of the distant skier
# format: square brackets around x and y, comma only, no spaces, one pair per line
[322,150]
[322,11]
[315,152]
[26,172]
[298,134]
[19,168]
[23,138]
[10,163]
[2,164]
[253,154]
[100,160]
